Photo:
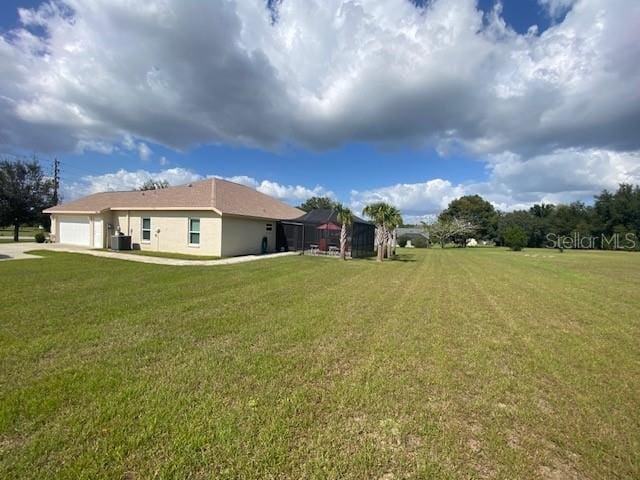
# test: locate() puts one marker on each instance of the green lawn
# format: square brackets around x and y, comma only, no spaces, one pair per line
[8,231]
[454,363]
[177,256]
[10,240]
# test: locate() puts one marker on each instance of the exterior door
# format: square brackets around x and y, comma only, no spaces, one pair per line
[98,227]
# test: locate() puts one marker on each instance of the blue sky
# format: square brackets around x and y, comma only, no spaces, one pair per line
[432,126]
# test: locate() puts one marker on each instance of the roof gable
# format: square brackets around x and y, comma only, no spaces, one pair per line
[221,196]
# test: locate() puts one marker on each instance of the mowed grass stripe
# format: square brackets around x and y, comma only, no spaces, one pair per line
[582,367]
[447,364]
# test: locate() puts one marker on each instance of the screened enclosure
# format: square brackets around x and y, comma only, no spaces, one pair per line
[318,233]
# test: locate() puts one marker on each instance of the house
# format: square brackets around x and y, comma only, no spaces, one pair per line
[319,230]
[412,232]
[416,235]
[207,217]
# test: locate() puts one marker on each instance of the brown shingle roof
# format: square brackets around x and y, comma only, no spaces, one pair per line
[222,196]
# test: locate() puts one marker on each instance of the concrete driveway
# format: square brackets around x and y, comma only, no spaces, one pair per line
[15,251]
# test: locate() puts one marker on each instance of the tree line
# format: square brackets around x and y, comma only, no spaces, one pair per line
[613,215]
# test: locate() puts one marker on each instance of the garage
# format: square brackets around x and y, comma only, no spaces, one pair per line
[74,230]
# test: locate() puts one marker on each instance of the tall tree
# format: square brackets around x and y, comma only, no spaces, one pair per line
[476,210]
[377,212]
[393,221]
[345,218]
[24,193]
[152,184]
[314,203]
[445,230]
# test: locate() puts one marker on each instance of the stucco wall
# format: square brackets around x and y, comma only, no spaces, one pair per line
[228,236]
[53,233]
[96,222]
[174,230]
[243,236]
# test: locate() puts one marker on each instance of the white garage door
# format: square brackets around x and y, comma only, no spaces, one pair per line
[75,231]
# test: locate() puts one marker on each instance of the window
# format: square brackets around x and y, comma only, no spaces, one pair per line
[146,229]
[194,231]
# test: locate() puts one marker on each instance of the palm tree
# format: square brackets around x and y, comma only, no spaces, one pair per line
[345,219]
[379,212]
[393,220]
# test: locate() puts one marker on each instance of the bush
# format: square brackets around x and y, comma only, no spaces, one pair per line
[402,240]
[515,238]
[420,242]
[417,241]
[39,237]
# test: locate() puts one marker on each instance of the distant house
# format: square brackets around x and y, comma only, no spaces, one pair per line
[411,232]
[207,217]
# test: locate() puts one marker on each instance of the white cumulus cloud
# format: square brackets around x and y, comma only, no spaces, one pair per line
[554,113]
[327,72]
[515,182]
[123,180]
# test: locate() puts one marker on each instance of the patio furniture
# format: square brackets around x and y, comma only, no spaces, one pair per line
[314,249]
[333,250]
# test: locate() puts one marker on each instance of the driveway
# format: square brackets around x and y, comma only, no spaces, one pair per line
[15,251]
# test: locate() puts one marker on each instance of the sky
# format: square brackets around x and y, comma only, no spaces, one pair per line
[411,102]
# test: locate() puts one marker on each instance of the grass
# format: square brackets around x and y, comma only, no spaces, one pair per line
[10,240]
[454,363]
[29,231]
[177,256]
[26,234]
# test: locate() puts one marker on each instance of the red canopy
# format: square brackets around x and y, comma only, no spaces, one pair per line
[329,226]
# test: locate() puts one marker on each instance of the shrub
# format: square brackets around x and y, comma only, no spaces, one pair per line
[515,238]
[39,237]
[419,242]
[402,240]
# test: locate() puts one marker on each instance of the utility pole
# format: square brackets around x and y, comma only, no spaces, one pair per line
[56,180]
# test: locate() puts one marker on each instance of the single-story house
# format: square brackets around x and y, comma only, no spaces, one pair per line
[416,235]
[412,232]
[207,217]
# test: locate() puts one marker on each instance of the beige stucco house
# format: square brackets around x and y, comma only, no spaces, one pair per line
[208,217]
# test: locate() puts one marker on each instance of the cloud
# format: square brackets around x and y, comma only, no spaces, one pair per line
[291,193]
[327,72]
[123,180]
[143,150]
[557,8]
[554,114]
[515,182]
[413,199]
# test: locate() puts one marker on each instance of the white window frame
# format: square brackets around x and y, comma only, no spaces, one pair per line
[142,230]
[189,231]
